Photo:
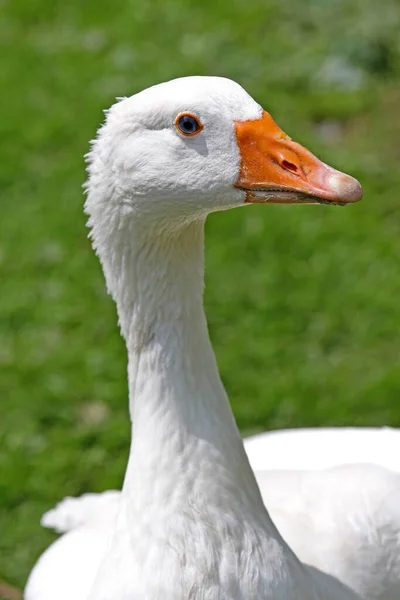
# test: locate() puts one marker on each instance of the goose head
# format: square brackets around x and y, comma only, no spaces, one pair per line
[182,149]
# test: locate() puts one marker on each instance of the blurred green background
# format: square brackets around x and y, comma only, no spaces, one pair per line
[303,302]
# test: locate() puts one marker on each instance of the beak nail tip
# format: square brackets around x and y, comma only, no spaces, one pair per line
[346,187]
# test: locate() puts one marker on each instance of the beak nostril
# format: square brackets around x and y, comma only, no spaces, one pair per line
[285,164]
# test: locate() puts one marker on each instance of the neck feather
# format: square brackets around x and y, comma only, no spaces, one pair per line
[184,436]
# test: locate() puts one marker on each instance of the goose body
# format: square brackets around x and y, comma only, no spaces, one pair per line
[191,521]
[349,513]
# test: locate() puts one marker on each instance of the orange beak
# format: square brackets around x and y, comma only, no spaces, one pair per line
[275,169]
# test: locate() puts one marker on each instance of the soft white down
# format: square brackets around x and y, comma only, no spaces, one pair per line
[190,521]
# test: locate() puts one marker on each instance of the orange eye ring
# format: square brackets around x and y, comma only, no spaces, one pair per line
[188,124]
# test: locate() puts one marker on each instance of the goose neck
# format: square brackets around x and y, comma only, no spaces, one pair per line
[184,436]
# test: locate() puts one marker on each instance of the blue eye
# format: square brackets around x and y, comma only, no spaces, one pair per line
[188,124]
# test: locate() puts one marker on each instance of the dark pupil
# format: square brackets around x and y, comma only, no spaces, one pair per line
[188,124]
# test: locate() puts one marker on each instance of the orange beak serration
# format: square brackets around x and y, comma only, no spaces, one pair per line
[276,169]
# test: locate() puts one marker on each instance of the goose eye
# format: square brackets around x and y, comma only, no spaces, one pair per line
[188,124]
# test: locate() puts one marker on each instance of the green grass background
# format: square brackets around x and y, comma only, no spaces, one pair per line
[303,302]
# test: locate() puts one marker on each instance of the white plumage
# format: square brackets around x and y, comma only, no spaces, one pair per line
[190,521]
[324,447]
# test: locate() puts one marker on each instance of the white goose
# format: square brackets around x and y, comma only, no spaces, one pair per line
[190,521]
